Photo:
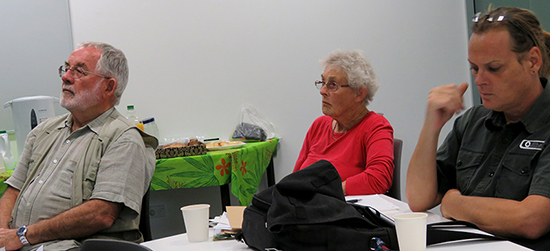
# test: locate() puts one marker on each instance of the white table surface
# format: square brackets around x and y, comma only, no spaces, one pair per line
[388,205]
[179,242]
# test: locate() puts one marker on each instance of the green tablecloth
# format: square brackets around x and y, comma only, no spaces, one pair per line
[3,177]
[242,167]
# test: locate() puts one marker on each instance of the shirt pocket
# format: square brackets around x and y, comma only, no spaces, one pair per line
[63,184]
[515,179]
[467,164]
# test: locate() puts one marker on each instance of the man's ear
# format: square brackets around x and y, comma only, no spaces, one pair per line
[534,57]
[110,87]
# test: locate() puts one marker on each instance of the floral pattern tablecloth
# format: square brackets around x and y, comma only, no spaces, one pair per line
[4,176]
[242,167]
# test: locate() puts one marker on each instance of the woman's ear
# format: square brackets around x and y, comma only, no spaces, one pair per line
[360,94]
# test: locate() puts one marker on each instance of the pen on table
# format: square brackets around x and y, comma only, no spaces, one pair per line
[353,201]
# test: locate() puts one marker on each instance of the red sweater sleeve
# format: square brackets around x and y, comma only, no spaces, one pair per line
[378,173]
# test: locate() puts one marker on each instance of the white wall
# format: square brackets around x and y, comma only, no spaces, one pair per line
[194,63]
[35,40]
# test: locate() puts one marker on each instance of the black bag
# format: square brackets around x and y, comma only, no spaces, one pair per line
[247,131]
[307,210]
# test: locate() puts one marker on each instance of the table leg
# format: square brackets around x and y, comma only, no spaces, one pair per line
[226,200]
[270,173]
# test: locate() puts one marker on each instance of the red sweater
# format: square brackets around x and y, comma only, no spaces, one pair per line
[363,155]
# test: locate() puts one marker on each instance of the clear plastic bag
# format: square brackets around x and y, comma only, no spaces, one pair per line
[5,151]
[252,127]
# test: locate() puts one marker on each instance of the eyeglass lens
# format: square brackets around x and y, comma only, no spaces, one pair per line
[331,86]
[76,72]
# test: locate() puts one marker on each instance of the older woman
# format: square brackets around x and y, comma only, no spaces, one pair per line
[358,142]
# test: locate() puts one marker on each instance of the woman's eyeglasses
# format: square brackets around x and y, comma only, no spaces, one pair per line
[331,86]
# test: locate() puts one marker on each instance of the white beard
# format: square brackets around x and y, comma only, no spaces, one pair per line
[81,101]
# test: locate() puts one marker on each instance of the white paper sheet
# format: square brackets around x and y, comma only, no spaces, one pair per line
[223,223]
[375,201]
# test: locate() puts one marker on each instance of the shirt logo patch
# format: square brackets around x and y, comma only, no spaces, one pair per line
[531,144]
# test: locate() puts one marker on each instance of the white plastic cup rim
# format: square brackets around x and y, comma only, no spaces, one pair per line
[194,207]
[410,216]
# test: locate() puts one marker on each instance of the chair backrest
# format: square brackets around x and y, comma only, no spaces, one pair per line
[395,190]
[144,222]
[111,245]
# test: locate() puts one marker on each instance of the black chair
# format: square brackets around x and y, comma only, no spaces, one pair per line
[395,190]
[111,245]
[144,222]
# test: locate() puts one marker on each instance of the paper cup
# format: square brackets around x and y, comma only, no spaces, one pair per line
[196,221]
[411,231]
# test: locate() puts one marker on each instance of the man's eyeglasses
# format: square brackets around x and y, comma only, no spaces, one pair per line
[479,17]
[331,86]
[76,71]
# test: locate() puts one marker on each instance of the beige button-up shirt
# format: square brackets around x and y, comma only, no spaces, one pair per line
[121,174]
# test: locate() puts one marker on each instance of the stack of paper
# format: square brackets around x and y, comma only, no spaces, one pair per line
[222,223]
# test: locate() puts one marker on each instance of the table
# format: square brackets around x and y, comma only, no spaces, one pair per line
[180,242]
[470,245]
[243,167]
[3,177]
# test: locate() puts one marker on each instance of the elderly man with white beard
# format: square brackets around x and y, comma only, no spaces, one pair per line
[83,174]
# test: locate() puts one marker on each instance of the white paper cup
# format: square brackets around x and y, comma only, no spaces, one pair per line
[196,221]
[411,231]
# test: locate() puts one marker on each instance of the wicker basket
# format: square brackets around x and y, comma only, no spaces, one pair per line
[173,152]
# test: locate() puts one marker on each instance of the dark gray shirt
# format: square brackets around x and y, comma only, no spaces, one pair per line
[484,156]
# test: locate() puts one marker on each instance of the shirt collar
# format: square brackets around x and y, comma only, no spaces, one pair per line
[95,124]
[537,116]
[495,120]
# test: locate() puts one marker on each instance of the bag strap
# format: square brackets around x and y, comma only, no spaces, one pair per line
[436,235]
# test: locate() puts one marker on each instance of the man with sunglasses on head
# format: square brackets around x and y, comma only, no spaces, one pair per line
[493,169]
[81,175]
